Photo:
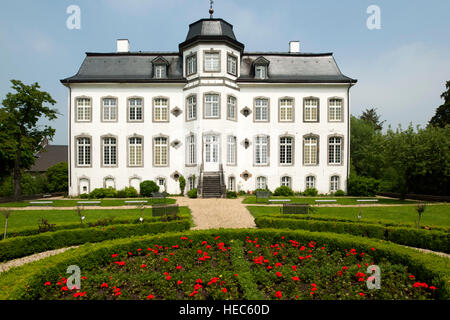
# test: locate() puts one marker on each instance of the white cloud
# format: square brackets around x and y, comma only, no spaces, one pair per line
[404,84]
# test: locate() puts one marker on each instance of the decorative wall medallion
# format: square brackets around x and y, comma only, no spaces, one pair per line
[246,143]
[176,111]
[246,111]
[175,176]
[246,175]
[176,143]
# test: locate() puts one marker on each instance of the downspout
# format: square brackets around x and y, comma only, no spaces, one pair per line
[348,129]
[70,137]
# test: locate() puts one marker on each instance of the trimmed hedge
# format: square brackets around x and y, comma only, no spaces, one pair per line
[432,240]
[26,282]
[23,246]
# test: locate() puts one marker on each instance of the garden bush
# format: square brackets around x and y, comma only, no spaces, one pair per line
[231,194]
[310,192]
[426,239]
[148,187]
[131,192]
[339,193]
[192,193]
[182,183]
[57,177]
[362,186]
[205,263]
[284,191]
[121,193]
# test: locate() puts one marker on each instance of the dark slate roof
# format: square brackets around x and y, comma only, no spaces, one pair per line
[294,67]
[210,30]
[126,67]
[48,156]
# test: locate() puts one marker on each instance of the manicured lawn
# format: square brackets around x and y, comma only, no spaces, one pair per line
[30,218]
[339,200]
[73,202]
[436,215]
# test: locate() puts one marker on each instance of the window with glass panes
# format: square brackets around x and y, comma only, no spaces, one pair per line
[191,183]
[212,61]
[310,150]
[261,109]
[260,72]
[261,183]
[286,150]
[191,150]
[191,64]
[231,184]
[83,109]
[192,107]
[109,109]
[135,151]
[286,110]
[84,151]
[334,183]
[231,108]
[286,181]
[109,151]
[160,71]
[310,182]
[261,150]
[135,109]
[160,109]
[160,152]
[231,150]
[335,110]
[232,65]
[334,150]
[211,106]
[311,109]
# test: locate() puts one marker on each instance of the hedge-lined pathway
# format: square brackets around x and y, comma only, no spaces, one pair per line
[218,213]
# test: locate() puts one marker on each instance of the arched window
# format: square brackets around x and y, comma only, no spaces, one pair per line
[334,183]
[83,151]
[109,151]
[286,148]
[261,183]
[231,183]
[160,151]
[286,181]
[310,182]
[231,108]
[261,150]
[310,150]
[135,151]
[191,155]
[191,113]
[231,150]
[335,150]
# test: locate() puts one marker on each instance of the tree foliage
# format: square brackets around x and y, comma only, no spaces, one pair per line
[442,116]
[57,177]
[371,117]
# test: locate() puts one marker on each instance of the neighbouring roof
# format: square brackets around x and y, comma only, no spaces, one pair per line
[48,156]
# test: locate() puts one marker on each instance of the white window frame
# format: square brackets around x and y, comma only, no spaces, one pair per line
[84,151]
[84,109]
[286,150]
[335,150]
[232,64]
[334,183]
[310,182]
[109,151]
[261,109]
[286,110]
[191,64]
[261,153]
[261,182]
[135,152]
[310,154]
[231,183]
[191,183]
[286,181]
[191,150]
[212,62]
[109,109]
[137,109]
[311,110]
[212,106]
[261,71]
[191,102]
[335,109]
[160,71]
[160,109]
[231,107]
[161,151]
[231,150]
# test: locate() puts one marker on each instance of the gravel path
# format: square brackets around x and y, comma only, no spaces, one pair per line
[218,213]
[21,261]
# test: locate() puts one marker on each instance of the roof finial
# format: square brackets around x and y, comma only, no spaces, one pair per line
[211,10]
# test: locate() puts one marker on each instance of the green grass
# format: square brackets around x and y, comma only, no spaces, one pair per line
[30,218]
[340,200]
[73,202]
[436,215]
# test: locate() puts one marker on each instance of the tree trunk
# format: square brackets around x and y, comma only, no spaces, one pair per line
[17,174]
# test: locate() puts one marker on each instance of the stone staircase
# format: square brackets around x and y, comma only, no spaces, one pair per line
[212,185]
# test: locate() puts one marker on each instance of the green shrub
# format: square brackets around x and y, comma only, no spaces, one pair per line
[311,192]
[121,193]
[131,192]
[231,195]
[284,191]
[362,186]
[97,193]
[84,196]
[182,182]
[57,177]
[339,193]
[192,193]
[148,187]
[242,193]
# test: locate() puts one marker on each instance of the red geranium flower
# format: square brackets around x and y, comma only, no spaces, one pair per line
[150,296]
[143,265]
[224,290]
[295,278]
[362,294]
[48,283]
[104,285]
[278,274]
[179,282]
[179,267]
[278,295]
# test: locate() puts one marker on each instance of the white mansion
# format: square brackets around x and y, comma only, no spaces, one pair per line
[223,118]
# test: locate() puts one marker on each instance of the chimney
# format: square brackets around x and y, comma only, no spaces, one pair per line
[123,45]
[294,46]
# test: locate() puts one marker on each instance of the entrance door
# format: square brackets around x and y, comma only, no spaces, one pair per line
[211,152]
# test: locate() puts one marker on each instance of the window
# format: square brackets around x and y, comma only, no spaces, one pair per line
[232,65]
[160,109]
[191,150]
[334,150]
[231,108]
[212,62]
[160,152]
[84,151]
[83,109]
[161,182]
[310,150]
[191,108]
[310,182]
[231,150]
[109,151]
[261,183]
[160,71]
[334,183]
[135,152]
[211,106]
[135,109]
[286,150]
[287,109]
[260,72]
[109,109]
[231,184]
[311,110]
[191,183]
[261,150]
[261,109]
[286,181]
[191,64]
[335,110]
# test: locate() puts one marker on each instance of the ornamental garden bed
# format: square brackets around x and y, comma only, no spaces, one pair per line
[339,200]
[233,264]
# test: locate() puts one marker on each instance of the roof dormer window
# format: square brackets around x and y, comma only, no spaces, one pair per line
[160,68]
[261,65]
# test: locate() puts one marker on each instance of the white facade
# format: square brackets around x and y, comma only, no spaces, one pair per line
[212,133]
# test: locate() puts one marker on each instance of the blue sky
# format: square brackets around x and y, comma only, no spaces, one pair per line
[401,68]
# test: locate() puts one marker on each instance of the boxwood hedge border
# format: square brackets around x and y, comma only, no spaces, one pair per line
[26,282]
